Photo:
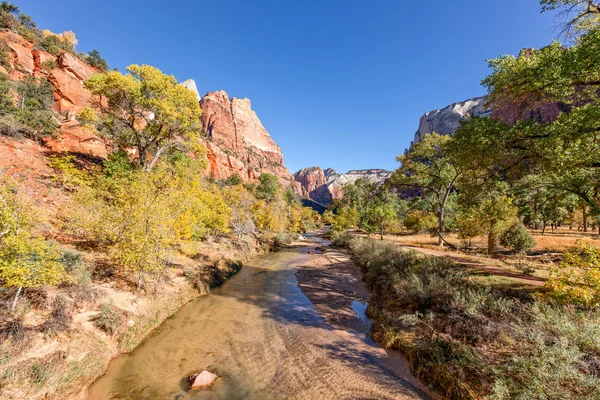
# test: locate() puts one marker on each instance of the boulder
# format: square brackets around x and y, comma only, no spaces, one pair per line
[202,380]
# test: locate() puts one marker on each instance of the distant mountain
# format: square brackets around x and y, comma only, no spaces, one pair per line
[445,121]
[322,186]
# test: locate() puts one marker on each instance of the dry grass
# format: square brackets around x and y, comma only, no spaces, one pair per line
[552,242]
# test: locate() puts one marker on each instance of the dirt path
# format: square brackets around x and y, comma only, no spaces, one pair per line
[266,340]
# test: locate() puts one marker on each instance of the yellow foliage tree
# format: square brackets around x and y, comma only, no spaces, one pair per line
[241,203]
[577,278]
[146,110]
[25,260]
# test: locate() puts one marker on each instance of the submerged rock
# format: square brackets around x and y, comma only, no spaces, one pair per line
[202,379]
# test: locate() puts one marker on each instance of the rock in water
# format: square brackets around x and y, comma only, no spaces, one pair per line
[202,380]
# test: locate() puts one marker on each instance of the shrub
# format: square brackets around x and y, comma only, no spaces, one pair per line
[517,238]
[577,279]
[49,65]
[12,328]
[84,293]
[109,319]
[281,239]
[341,239]
[54,45]
[60,319]
[5,55]
[94,59]
[73,261]
[450,367]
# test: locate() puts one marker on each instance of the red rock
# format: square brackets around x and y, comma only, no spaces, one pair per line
[74,138]
[237,142]
[79,69]
[202,380]
[21,51]
[234,129]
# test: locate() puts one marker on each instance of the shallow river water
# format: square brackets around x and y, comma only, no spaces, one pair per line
[265,340]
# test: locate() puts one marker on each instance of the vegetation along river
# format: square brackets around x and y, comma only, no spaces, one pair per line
[266,340]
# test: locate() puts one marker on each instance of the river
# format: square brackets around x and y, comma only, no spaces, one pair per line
[265,340]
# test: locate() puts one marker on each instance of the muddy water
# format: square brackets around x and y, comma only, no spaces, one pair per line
[265,340]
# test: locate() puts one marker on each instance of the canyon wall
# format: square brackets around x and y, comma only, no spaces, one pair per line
[235,139]
[445,121]
[322,186]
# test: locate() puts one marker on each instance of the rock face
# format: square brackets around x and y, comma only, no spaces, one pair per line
[237,143]
[324,186]
[445,121]
[191,84]
[66,73]
[313,185]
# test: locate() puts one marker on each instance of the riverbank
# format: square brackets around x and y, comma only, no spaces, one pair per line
[470,337]
[113,319]
[265,339]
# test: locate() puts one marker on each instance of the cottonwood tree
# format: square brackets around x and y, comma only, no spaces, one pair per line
[240,202]
[146,110]
[565,149]
[432,171]
[576,16]
[25,260]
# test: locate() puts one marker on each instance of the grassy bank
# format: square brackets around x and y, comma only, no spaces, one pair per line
[470,338]
[112,318]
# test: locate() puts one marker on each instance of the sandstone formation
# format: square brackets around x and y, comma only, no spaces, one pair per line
[191,85]
[313,185]
[324,186]
[237,143]
[445,121]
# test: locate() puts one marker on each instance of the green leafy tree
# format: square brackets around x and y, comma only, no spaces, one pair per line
[432,170]
[94,59]
[490,213]
[267,187]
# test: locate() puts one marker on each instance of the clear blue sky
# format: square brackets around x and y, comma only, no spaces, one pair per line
[338,84]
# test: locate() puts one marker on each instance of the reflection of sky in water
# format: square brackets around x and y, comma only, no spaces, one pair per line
[360,308]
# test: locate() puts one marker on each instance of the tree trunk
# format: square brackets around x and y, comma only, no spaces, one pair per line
[543,227]
[16,299]
[441,228]
[140,279]
[491,242]
[381,233]
[585,219]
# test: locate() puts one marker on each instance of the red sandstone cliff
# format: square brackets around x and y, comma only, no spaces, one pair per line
[324,186]
[236,141]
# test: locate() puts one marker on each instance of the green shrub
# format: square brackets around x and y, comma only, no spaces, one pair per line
[49,65]
[450,367]
[281,239]
[55,45]
[73,261]
[517,238]
[109,319]
[341,239]
[94,59]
